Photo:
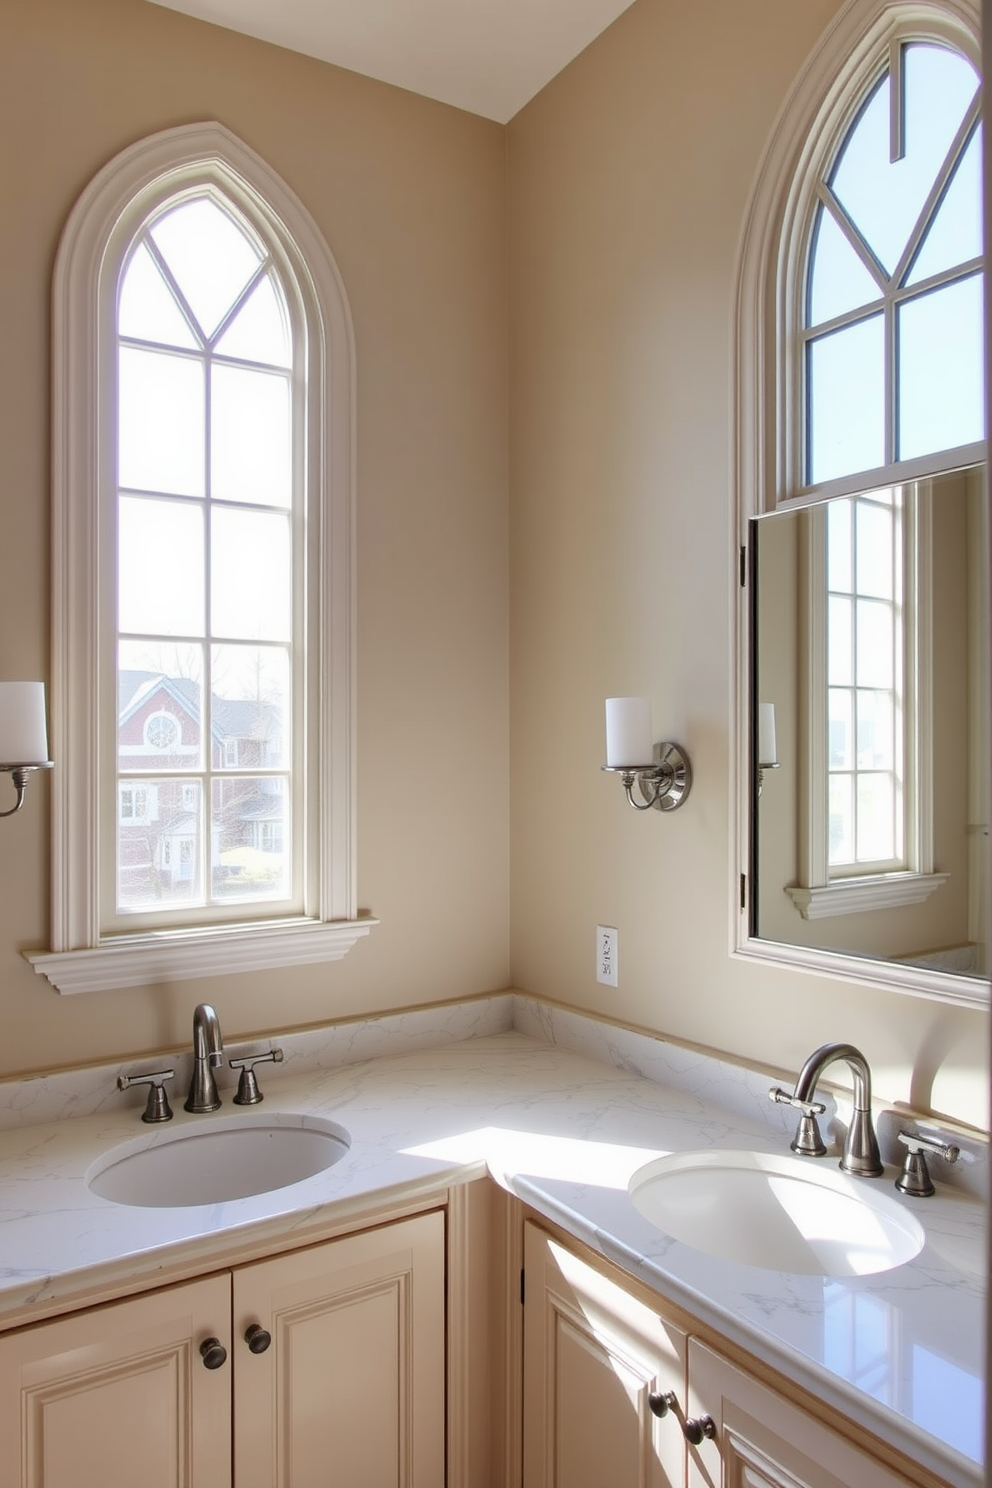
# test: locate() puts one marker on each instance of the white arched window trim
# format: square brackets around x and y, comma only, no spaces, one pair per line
[86,273]
[767,392]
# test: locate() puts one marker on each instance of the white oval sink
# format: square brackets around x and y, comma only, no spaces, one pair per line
[224,1158]
[781,1213]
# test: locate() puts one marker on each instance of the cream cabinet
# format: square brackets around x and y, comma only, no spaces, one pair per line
[762,1440]
[350,1393]
[598,1364]
[120,1394]
[323,1366]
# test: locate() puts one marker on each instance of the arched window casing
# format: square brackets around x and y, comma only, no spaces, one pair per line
[859,379]
[160,637]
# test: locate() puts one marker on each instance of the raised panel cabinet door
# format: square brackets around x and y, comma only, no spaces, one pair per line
[349,1392]
[593,1355]
[120,1394]
[763,1440]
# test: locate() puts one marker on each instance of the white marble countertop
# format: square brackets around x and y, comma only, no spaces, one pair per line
[900,1352]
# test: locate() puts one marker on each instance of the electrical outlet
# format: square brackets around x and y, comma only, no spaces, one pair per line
[606,956]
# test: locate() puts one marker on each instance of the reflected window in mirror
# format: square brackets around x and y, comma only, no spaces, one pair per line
[865,777]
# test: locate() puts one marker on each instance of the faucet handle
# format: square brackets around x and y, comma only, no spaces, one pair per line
[248,1091]
[783,1098]
[157,1106]
[807,1141]
[915,1177]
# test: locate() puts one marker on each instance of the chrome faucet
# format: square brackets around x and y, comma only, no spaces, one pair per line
[208,1051]
[861,1155]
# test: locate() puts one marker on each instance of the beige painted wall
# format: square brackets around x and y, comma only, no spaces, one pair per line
[629,177]
[410,196]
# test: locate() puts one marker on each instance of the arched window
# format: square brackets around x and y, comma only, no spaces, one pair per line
[889,346]
[861,427]
[203,536]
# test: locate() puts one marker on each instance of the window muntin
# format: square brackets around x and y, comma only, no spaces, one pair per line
[209,555]
[891,330]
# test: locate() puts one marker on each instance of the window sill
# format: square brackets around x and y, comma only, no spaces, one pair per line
[182,955]
[858,895]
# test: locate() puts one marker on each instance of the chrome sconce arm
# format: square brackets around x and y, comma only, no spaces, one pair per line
[663,785]
[19,776]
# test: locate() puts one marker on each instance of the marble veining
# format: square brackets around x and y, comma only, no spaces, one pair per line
[562,1127]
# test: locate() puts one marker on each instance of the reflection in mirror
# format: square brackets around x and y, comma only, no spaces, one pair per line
[871,643]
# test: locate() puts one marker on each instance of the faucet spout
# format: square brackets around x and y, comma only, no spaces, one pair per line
[861,1154]
[208,1051]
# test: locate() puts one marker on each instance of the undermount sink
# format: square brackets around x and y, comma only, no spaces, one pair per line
[219,1159]
[780,1213]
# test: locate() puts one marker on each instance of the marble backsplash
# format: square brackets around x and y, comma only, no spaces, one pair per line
[744,1092]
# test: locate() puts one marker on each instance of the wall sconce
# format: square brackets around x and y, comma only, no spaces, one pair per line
[667,780]
[23,734]
[767,747]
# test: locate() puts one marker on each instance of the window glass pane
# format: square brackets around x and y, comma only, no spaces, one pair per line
[838,280]
[874,550]
[941,373]
[840,669]
[250,436]
[876,820]
[160,422]
[874,644]
[250,575]
[160,567]
[250,838]
[260,330]
[160,702]
[875,731]
[250,707]
[955,234]
[840,807]
[884,198]
[158,844]
[841,730]
[839,565]
[210,258]
[846,391]
[147,308]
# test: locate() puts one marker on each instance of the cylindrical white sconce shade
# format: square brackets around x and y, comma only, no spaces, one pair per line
[23,727]
[628,731]
[767,747]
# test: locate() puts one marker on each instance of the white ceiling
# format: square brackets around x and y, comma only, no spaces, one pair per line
[487,56]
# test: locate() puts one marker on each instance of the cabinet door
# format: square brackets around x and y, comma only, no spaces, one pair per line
[350,1392]
[120,1395]
[592,1356]
[763,1440]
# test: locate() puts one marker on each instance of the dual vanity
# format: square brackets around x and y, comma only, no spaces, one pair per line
[479,1234]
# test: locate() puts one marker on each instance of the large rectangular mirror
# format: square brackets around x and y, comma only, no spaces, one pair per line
[869,686]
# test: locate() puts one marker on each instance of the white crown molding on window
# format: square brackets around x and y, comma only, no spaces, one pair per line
[107,213]
[845,896]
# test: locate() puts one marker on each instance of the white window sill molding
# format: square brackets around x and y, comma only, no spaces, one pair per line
[857,895]
[183,955]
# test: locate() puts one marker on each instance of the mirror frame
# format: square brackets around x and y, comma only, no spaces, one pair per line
[813,116]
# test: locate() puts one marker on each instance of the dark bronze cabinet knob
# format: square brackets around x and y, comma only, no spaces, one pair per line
[213,1353]
[257,1338]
